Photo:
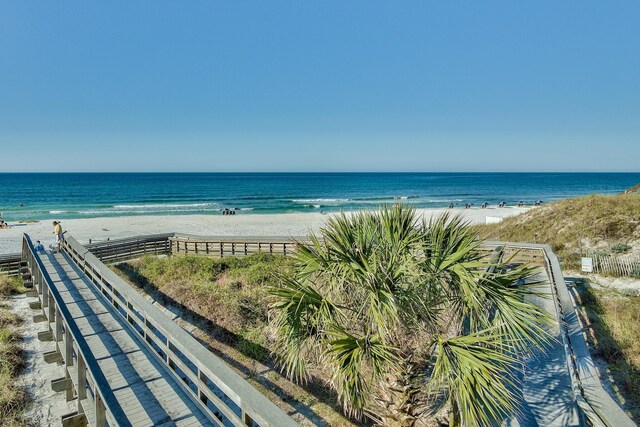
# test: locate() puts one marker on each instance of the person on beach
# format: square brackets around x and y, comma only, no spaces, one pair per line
[57,230]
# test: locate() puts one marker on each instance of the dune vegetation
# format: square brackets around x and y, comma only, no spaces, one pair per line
[13,399]
[575,226]
[232,291]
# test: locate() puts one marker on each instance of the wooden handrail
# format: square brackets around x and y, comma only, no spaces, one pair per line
[594,403]
[214,381]
[107,407]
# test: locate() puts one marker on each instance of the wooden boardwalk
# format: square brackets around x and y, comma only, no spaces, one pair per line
[129,365]
[147,393]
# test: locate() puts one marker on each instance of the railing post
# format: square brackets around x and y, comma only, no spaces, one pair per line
[45,296]
[68,359]
[82,382]
[58,325]
[101,418]
[52,308]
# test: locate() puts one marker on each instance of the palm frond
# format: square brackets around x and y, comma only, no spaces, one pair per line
[477,372]
[358,361]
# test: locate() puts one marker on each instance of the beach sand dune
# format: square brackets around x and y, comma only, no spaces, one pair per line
[287,224]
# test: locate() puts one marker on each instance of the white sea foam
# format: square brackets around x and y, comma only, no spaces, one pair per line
[166,205]
[320,200]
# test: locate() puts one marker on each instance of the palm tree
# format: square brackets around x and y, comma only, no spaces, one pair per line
[406,318]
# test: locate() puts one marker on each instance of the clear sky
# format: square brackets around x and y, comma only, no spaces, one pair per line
[306,85]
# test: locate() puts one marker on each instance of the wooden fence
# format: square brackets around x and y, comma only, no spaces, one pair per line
[617,265]
[10,264]
[134,247]
[221,247]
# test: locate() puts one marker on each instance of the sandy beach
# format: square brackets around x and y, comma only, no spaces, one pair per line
[289,224]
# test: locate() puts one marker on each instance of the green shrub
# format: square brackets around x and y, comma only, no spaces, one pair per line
[620,248]
[635,272]
[11,285]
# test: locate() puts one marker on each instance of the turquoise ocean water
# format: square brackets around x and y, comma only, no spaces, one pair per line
[71,195]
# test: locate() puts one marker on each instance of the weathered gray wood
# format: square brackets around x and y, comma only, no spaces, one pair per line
[11,264]
[52,356]
[74,419]
[45,336]
[38,318]
[61,384]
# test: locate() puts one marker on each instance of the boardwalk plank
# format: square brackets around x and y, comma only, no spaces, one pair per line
[148,394]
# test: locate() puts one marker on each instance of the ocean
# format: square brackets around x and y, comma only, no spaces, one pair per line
[86,195]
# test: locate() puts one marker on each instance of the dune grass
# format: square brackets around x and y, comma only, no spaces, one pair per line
[572,226]
[615,321]
[230,291]
[13,399]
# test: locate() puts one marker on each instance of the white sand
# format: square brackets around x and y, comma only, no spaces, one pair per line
[48,406]
[291,224]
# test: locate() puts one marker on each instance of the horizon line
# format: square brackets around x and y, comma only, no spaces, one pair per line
[316,172]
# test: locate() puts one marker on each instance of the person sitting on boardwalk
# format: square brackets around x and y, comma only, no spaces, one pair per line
[57,230]
[38,247]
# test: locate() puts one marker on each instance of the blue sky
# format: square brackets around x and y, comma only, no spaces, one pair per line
[319,86]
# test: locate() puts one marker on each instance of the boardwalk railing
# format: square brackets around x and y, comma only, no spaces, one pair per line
[229,246]
[228,398]
[10,264]
[133,247]
[594,403]
[82,370]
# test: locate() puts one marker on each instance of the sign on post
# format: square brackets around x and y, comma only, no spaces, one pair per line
[587,264]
